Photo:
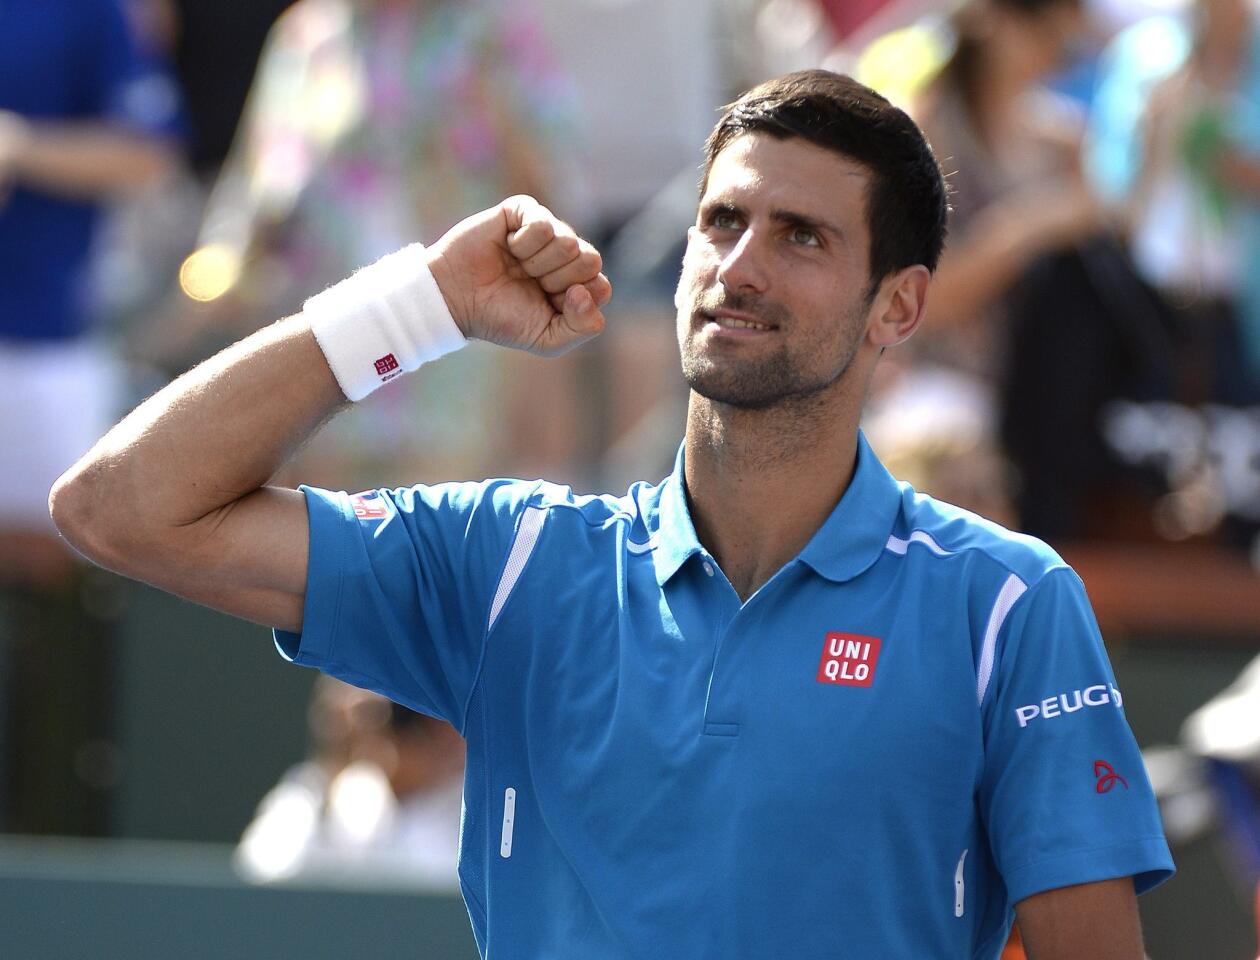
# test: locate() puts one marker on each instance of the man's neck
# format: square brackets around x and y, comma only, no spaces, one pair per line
[761,482]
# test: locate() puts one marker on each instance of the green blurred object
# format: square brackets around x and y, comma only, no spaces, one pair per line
[129,900]
[208,718]
[1204,140]
[59,768]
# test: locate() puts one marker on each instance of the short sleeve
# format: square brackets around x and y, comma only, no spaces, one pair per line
[1064,796]
[129,83]
[399,588]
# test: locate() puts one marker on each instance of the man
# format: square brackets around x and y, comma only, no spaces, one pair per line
[775,706]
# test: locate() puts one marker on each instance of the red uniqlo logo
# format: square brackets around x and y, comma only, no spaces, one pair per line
[849,659]
[368,507]
[386,364]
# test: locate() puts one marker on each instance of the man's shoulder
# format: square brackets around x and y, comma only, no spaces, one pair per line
[594,514]
[508,499]
[947,530]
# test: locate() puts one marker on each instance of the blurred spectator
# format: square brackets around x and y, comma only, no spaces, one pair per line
[1011,148]
[1177,138]
[378,802]
[86,114]
[636,136]
[1225,734]
[1136,59]
[1188,216]
[1013,152]
[372,124]
[1040,322]
[213,47]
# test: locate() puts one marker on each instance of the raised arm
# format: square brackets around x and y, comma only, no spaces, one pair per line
[177,493]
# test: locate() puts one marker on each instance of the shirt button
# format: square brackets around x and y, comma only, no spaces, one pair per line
[708,568]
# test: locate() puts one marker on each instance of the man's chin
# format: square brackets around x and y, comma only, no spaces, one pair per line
[737,395]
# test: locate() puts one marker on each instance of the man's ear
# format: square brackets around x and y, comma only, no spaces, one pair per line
[899,306]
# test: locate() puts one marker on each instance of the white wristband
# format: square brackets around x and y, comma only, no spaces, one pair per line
[383,321]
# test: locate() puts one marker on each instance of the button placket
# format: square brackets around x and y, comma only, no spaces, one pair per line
[720,709]
[729,679]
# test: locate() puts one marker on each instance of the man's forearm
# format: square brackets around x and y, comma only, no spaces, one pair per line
[176,494]
[213,436]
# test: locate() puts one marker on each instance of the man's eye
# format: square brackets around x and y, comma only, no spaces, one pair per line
[725,221]
[805,237]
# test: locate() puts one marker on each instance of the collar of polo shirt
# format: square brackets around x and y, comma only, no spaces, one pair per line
[847,544]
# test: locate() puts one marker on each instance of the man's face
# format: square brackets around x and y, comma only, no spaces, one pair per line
[772,303]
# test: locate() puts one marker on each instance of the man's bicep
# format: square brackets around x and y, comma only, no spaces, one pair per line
[249,559]
[1095,920]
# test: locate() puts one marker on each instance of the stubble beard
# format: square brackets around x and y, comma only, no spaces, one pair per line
[777,379]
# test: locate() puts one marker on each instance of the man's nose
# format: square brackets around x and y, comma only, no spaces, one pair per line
[744,267]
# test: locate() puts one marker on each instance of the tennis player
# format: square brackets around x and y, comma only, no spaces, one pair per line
[778,704]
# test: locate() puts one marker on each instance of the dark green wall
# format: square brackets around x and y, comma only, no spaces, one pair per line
[208,717]
[122,900]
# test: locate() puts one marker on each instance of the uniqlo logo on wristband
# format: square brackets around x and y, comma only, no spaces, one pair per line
[849,659]
[386,364]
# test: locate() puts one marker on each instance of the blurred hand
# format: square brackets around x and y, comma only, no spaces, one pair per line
[518,276]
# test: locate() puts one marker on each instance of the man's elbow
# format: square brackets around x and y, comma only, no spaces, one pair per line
[89,519]
[68,507]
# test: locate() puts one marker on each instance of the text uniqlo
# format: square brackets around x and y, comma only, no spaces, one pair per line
[849,659]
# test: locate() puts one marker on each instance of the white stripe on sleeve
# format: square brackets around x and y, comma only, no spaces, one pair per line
[522,547]
[1011,591]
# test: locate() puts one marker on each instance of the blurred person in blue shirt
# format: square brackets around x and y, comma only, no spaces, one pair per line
[85,114]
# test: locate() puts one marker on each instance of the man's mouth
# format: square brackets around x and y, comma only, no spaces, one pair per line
[729,320]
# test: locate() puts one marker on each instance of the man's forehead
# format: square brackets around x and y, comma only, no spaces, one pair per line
[759,163]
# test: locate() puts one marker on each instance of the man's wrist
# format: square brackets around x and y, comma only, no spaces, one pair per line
[383,321]
[448,284]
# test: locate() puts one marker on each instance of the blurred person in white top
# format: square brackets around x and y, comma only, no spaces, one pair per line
[379,802]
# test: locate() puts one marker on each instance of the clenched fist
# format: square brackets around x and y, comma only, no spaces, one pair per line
[519,276]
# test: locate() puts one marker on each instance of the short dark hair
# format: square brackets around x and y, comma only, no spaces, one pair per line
[907,203]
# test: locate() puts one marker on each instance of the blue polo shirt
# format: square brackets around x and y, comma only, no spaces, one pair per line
[912,726]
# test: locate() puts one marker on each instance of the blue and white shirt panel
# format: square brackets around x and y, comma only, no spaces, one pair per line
[908,729]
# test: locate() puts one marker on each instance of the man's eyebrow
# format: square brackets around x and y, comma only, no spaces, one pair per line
[792,218]
[710,207]
[789,218]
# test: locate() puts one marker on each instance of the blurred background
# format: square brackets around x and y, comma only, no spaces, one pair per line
[177,173]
